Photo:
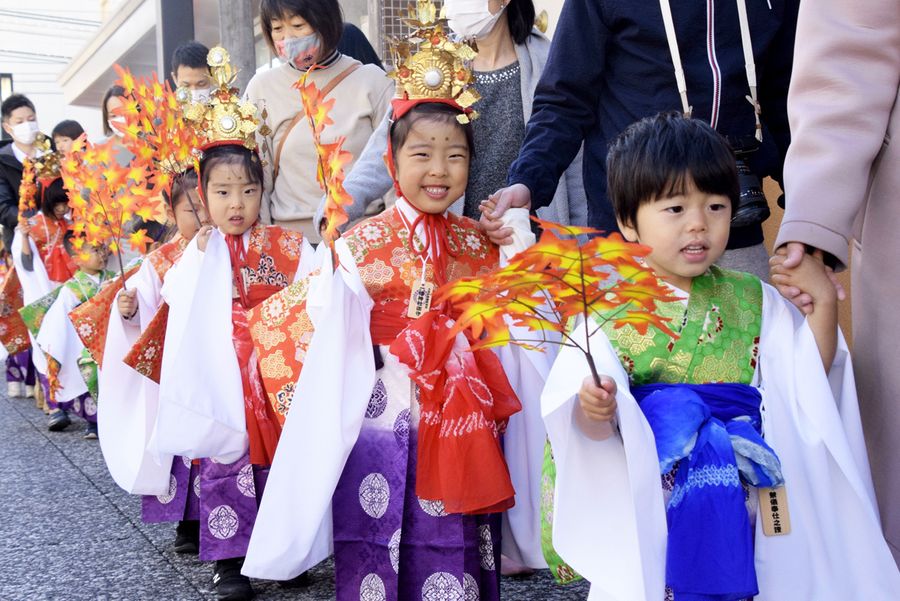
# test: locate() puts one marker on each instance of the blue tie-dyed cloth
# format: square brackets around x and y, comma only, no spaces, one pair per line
[714,430]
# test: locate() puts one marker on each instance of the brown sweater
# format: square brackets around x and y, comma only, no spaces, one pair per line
[362,99]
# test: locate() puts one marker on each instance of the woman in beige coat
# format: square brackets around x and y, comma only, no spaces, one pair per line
[305,33]
[842,184]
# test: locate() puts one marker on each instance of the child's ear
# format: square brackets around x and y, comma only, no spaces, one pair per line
[629,231]
[387,161]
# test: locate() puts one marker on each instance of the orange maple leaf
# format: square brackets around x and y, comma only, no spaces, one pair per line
[554,281]
[139,241]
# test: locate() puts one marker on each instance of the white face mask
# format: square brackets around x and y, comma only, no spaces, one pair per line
[25,132]
[472,18]
[112,125]
[201,96]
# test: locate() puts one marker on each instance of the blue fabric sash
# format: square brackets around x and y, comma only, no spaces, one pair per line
[715,429]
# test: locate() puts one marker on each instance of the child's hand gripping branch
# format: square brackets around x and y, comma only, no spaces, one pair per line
[127,303]
[597,407]
[203,235]
[811,278]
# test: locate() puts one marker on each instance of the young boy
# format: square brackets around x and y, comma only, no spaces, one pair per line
[76,372]
[190,71]
[748,413]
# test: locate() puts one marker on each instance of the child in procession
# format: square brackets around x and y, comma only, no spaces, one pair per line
[139,319]
[745,413]
[69,370]
[212,403]
[413,499]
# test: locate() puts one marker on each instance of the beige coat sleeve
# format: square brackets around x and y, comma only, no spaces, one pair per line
[844,87]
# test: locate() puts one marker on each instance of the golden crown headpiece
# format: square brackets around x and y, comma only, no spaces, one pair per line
[225,118]
[46,160]
[428,65]
[43,168]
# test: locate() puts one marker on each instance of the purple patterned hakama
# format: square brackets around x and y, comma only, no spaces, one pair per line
[181,502]
[229,501]
[84,406]
[19,368]
[388,543]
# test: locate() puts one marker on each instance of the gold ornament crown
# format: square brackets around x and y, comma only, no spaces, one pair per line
[428,65]
[46,160]
[225,118]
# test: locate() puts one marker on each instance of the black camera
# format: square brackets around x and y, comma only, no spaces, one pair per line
[752,207]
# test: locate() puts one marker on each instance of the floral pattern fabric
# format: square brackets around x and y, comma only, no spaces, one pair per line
[13,332]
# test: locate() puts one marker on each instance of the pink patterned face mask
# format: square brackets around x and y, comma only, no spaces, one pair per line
[300,52]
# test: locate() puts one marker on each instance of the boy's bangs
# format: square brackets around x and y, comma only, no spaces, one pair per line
[692,163]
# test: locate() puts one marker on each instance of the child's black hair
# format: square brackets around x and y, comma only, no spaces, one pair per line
[68,128]
[520,17]
[15,101]
[180,186]
[324,16]
[51,196]
[230,154]
[190,54]
[660,156]
[112,91]
[435,112]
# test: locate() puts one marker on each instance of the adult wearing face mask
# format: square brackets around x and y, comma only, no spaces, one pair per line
[190,71]
[511,58]
[305,33]
[20,122]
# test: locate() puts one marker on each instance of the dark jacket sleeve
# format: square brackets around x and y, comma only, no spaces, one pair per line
[27,261]
[9,205]
[773,86]
[355,44]
[565,101]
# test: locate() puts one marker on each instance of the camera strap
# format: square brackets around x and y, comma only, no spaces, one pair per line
[749,61]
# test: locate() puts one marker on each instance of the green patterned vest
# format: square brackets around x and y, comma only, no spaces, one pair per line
[718,341]
[85,288]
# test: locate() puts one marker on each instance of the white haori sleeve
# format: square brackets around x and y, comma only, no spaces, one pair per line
[835,550]
[609,519]
[126,411]
[149,294]
[293,529]
[201,397]
[58,339]
[523,447]
[309,260]
[35,284]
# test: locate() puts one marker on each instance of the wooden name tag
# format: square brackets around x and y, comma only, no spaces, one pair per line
[773,510]
[420,299]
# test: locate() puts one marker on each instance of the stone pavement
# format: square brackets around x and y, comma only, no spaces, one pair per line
[68,533]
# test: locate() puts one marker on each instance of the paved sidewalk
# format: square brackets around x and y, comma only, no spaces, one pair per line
[68,533]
